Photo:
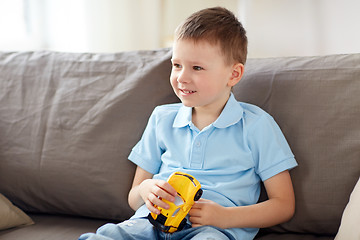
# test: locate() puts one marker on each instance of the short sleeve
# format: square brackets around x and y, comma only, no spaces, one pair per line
[147,153]
[271,152]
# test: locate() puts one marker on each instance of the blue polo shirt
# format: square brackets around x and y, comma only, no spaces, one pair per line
[229,158]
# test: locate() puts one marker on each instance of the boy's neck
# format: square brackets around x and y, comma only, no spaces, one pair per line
[203,119]
[204,116]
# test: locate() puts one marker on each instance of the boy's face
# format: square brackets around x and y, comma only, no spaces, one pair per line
[200,77]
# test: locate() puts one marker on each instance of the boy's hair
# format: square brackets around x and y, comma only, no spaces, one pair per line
[217,26]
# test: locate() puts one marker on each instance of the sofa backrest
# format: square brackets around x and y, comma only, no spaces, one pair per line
[69,120]
[316,102]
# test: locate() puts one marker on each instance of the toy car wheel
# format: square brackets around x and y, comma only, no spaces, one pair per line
[198,194]
[182,224]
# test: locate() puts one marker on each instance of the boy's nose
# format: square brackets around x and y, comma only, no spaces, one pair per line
[182,77]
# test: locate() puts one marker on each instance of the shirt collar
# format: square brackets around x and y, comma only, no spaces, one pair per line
[231,114]
[183,117]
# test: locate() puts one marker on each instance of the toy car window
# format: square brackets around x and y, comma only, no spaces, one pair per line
[175,212]
[178,201]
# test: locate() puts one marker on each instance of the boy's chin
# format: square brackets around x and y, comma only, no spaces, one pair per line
[187,104]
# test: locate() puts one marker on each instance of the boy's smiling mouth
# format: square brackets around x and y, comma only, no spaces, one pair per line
[185,91]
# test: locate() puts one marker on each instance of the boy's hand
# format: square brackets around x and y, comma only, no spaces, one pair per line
[152,191]
[206,212]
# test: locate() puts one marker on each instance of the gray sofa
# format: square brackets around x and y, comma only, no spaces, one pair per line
[69,120]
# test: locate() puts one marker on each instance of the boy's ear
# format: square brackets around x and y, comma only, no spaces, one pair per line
[236,74]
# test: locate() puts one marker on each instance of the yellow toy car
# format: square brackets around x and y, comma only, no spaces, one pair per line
[188,191]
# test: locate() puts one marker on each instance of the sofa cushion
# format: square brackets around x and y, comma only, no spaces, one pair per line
[349,228]
[11,216]
[315,100]
[68,122]
[293,236]
[54,227]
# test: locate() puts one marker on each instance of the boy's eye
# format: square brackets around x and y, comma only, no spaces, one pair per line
[197,68]
[176,65]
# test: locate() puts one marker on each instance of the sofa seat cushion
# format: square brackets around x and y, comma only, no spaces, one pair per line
[54,227]
[294,236]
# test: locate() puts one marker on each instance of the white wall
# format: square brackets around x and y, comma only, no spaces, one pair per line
[306,27]
[12,13]
[103,25]
[118,25]
[275,28]
[174,12]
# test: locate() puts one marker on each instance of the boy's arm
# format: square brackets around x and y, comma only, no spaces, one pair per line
[280,207]
[149,191]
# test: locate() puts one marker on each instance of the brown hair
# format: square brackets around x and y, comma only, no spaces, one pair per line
[217,26]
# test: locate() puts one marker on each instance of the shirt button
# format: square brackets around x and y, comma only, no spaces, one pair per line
[198,144]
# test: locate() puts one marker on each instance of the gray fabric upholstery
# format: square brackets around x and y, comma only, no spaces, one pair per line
[68,123]
[315,100]
[289,236]
[53,228]
[69,120]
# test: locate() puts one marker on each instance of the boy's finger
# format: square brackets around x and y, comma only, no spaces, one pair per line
[197,205]
[157,201]
[168,188]
[161,194]
[151,207]
[163,191]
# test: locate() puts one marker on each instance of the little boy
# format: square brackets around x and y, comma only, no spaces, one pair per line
[229,146]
